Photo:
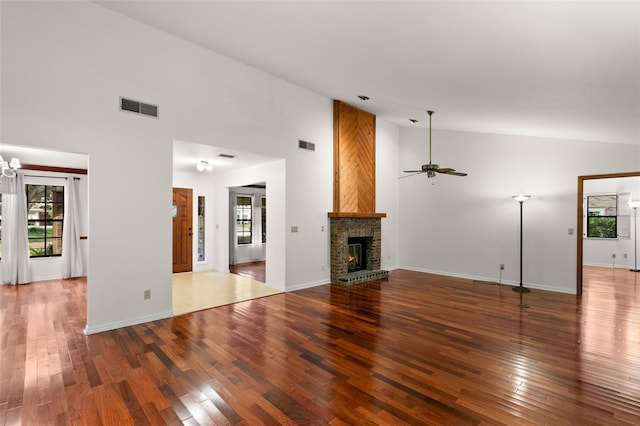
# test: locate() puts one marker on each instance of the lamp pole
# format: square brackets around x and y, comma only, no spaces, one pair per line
[521,199]
[635,205]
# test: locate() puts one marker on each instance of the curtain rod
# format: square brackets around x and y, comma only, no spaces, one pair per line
[51,177]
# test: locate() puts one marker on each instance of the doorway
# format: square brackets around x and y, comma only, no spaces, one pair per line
[248,230]
[580,221]
[182,230]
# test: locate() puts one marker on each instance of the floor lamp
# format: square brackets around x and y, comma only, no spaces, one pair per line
[521,199]
[634,205]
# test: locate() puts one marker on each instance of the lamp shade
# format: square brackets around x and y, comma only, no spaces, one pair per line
[633,204]
[521,197]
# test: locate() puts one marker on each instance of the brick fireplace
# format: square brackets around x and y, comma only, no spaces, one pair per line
[368,230]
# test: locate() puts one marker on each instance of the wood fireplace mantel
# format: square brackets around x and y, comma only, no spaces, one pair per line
[351,215]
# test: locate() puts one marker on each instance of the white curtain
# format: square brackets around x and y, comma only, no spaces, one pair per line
[15,266]
[71,250]
[233,239]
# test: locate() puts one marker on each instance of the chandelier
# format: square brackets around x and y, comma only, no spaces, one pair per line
[9,169]
[204,166]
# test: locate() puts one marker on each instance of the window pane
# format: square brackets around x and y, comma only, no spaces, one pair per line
[601,227]
[45,216]
[602,205]
[54,247]
[36,248]
[243,220]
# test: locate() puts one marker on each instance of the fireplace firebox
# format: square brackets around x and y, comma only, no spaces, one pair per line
[357,254]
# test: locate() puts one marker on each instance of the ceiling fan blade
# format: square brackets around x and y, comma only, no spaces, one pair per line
[451,172]
[445,169]
[413,173]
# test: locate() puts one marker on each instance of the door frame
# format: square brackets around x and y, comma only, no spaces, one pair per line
[580,222]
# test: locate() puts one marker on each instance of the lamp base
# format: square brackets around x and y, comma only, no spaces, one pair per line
[521,289]
[634,270]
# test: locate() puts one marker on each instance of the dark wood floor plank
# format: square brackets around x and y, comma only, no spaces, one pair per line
[416,349]
[254,270]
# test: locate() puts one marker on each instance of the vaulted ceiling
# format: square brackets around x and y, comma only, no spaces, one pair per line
[541,68]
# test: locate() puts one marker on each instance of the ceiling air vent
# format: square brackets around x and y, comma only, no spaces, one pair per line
[306,145]
[138,107]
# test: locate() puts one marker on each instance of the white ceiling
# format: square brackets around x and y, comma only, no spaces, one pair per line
[186,155]
[542,68]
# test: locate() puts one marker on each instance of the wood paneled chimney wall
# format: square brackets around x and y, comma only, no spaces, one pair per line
[354,159]
[354,194]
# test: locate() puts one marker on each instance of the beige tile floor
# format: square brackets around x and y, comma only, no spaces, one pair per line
[194,291]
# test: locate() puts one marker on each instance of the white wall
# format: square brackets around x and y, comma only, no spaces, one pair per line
[64,66]
[387,195]
[597,252]
[468,226]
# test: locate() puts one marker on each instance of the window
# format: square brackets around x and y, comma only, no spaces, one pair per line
[45,213]
[243,219]
[602,216]
[263,211]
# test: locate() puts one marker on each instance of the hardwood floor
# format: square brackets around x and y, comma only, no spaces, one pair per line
[253,270]
[416,349]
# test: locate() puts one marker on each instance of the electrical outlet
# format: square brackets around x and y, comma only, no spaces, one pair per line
[502,266]
[322,267]
[613,255]
[625,256]
[147,294]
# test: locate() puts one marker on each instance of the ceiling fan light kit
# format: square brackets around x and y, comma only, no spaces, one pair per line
[431,168]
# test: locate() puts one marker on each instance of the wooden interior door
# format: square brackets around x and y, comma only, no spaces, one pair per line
[182,230]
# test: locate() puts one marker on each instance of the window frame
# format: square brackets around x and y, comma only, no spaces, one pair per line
[244,226]
[47,221]
[263,218]
[588,216]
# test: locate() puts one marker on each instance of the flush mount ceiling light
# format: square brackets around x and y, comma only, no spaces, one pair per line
[204,166]
[9,169]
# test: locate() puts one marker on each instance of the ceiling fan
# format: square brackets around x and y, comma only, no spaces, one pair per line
[431,169]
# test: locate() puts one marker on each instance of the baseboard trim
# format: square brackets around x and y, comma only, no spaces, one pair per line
[126,323]
[307,285]
[478,278]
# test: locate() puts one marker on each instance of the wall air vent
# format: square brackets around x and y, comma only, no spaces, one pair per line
[306,145]
[226,156]
[138,107]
